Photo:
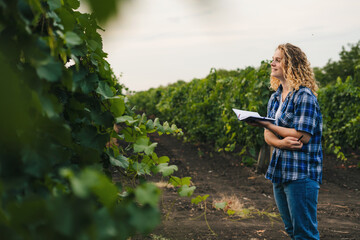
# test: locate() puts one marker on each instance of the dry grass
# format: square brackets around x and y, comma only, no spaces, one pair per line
[233,206]
[163,184]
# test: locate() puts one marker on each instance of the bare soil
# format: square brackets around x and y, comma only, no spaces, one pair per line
[220,175]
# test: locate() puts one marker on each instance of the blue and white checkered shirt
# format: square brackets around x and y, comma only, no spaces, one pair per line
[301,111]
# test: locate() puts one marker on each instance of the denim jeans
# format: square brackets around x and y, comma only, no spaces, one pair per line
[297,203]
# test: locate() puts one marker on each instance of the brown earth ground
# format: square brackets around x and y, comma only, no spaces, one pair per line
[223,176]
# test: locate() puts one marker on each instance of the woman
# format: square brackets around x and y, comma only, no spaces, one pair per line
[296,165]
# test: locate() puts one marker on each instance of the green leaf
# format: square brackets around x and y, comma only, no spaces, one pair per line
[138,130]
[230,212]
[74,4]
[199,199]
[49,103]
[105,224]
[166,126]
[117,106]
[102,187]
[104,90]
[93,45]
[150,125]
[142,145]
[165,169]
[61,215]
[104,119]
[103,10]
[163,159]
[49,69]
[67,19]
[175,181]
[33,163]
[54,4]
[174,128]
[119,161]
[186,181]
[154,157]
[186,191]
[125,118]
[72,39]
[142,168]
[144,218]
[89,137]
[196,200]
[128,134]
[158,126]
[86,82]
[147,194]
[92,181]
[220,205]
[79,75]
[79,188]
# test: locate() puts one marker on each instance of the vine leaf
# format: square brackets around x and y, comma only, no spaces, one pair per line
[117,106]
[54,4]
[86,82]
[163,159]
[150,125]
[89,137]
[119,161]
[147,193]
[141,168]
[199,199]
[103,10]
[74,4]
[49,69]
[58,129]
[91,181]
[176,181]
[186,191]
[104,90]
[128,119]
[67,19]
[93,45]
[165,169]
[144,219]
[220,205]
[72,39]
[142,145]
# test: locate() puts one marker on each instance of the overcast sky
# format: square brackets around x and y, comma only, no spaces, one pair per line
[157,42]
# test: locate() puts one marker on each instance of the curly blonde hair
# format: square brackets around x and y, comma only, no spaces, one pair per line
[297,70]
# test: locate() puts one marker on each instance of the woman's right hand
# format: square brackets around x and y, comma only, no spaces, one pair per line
[291,143]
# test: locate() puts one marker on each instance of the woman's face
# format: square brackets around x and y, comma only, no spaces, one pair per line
[277,69]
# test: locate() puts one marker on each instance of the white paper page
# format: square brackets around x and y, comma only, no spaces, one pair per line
[241,114]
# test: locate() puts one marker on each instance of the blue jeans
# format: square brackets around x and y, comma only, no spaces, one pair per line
[297,204]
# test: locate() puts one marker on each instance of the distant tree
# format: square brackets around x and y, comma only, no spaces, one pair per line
[346,66]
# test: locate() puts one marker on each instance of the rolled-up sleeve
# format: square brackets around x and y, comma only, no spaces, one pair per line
[305,113]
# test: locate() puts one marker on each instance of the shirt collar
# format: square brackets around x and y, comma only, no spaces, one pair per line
[278,93]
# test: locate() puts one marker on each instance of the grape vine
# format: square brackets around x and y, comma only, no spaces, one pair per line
[203,107]
[64,124]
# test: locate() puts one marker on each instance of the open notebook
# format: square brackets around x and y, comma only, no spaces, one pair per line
[249,116]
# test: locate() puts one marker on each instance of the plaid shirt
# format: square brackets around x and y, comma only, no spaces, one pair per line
[301,111]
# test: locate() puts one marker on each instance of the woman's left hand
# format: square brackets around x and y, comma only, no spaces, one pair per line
[291,143]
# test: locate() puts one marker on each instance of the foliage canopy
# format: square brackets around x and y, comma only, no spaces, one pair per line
[64,123]
[202,107]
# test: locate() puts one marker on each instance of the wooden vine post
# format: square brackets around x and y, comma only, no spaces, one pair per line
[264,158]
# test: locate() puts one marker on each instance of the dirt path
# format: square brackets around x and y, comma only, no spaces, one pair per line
[220,176]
